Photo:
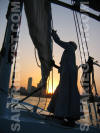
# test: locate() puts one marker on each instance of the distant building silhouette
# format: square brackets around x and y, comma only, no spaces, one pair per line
[41,93]
[30,89]
[29,85]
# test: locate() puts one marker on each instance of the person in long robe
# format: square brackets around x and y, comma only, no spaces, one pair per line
[65,102]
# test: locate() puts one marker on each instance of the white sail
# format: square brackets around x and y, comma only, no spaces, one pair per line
[38,13]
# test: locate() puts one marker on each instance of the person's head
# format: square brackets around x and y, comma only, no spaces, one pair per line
[73,44]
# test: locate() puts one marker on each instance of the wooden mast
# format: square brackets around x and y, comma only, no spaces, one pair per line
[9,44]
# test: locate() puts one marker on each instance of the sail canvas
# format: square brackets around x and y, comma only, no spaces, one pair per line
[38,13]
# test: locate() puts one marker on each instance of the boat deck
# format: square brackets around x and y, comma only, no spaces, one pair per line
[25,121]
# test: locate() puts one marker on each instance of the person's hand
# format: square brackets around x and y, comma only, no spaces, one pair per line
[52,62]
[53,33]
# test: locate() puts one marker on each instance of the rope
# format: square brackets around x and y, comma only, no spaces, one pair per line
[52,27]
[77,37]
[13,77]
[78,27]
[80,36]
[46,64]
[84,35]
[46,97]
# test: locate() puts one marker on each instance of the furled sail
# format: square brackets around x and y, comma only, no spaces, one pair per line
[38,13]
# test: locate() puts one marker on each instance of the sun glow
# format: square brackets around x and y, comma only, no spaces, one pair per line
[51,88]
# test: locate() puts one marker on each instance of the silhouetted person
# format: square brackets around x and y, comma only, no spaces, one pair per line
[65,102]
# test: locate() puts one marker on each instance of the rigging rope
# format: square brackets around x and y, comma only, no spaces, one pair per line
[82,79]
[80,36]
[46,63]
[93,81]
[46,97]
[84,36]
[52,27]
[79,31]
[77,37]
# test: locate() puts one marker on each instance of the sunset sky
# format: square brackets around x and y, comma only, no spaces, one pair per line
[64,24]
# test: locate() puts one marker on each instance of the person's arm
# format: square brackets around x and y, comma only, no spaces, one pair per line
[58,41]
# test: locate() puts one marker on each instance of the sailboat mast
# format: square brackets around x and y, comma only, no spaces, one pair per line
[8,48]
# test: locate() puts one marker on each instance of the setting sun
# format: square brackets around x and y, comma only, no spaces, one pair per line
[51,88]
